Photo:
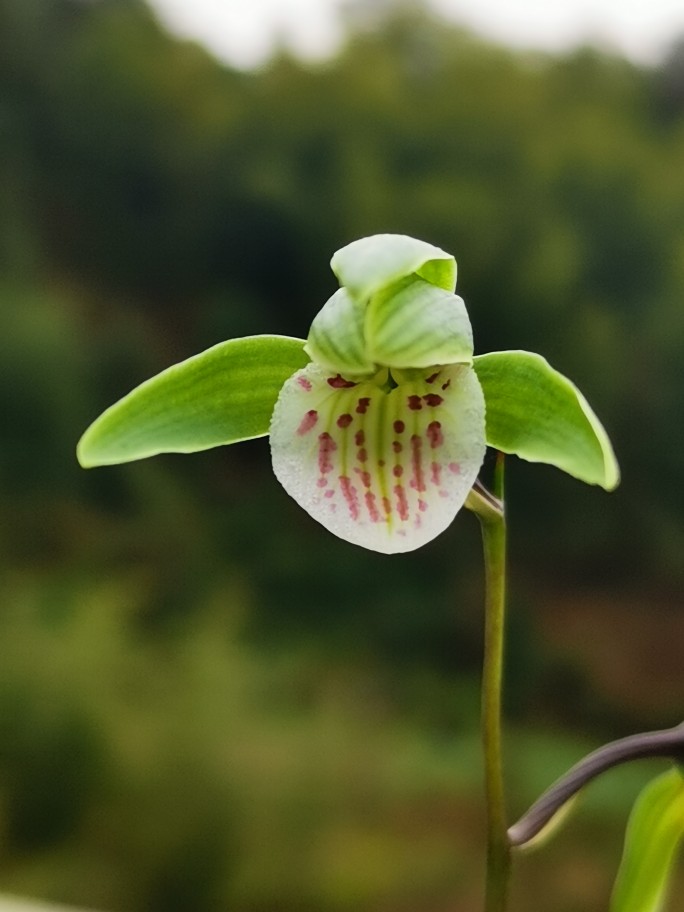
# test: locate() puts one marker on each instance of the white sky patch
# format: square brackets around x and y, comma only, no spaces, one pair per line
[243,32]
[643,30]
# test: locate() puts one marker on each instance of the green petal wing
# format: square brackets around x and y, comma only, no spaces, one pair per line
[655,829]
[336,338]
[369,264]
[538,414]
[223,395]
[415,324]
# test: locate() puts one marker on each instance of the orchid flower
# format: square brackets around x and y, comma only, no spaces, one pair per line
[379,421]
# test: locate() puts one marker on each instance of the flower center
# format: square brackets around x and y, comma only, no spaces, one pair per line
[384,380]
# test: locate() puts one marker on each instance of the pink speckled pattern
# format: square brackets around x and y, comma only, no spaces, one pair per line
[387,470]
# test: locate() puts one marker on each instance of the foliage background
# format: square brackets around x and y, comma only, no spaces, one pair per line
[207,703]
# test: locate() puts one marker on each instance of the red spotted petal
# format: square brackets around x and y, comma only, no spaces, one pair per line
[387,470]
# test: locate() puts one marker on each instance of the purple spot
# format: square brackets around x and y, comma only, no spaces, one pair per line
[402,503]
[422,506]
[304,383]
[362,407]
[387,506]
[362,455]
[432,377]
[433,400]
[436,470]
[398,427]
[371,507]
[454,468]
[445,386]
[381,463]
[418,481]
[434,434]
[398,471]
[322,482]
[414,403]
[326,447]
[359,438]
[344,421]
[365,477]
[396,446]
[339,382]
[329,493]
[350,495]
[308,421]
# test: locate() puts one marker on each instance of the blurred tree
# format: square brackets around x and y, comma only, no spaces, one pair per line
[139,172]
[143,188]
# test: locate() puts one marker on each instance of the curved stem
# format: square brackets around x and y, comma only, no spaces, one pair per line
[491,515]
[666,743]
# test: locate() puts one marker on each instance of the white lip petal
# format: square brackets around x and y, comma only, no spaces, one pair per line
[387,470]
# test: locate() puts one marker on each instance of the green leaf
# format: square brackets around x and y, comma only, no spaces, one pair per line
[655,829]
[538,414]
[224,395]
[369,264]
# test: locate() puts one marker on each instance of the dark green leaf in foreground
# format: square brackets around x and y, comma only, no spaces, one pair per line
[655,829]
[223,395]
[538,414]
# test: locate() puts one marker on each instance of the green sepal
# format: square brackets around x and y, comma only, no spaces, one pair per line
[223,395]
[413,324]
[336,338]
[538,414]
[369,264]
[655,829]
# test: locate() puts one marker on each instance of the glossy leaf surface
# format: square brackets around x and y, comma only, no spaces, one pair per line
[655,829]
[538,414]
[223,395]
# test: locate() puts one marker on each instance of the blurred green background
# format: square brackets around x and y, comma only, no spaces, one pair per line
[207,702]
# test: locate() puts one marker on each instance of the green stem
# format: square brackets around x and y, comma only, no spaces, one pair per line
[493,524]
